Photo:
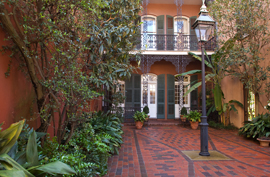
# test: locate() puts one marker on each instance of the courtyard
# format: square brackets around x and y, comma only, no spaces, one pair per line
[158,151]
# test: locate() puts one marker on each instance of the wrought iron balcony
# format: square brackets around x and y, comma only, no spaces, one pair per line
[172,42]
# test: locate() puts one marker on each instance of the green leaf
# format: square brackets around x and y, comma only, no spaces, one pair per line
[189,72]
[193,88]
[218,97]
[233,108]
[31,150]
[10,164]
[237,102]
[56,167]
[200,59]
[11,173]
[10,135]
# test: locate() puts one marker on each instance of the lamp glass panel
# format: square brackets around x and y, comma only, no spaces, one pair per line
[197,31]
[206,31]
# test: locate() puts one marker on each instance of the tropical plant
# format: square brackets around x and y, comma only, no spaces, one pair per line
[258,127]
[146,109]
[184,111]
[194,116]
[25,163]
[216,73]
[110,127]
[243,25]
[139,116]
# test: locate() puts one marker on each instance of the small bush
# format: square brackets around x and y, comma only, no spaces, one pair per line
[221,126]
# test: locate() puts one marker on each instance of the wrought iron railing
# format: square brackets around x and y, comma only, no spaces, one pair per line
[171,42]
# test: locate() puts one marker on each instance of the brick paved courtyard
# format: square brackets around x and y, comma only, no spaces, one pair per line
[157,151]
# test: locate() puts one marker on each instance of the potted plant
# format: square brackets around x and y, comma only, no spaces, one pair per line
[258,128]
[183,115]
[146,111]
[139,118]
[194,118]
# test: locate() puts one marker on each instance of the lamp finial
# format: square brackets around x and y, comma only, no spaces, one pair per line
[203,8]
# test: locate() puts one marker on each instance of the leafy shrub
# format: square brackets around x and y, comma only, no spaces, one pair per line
[139,116]
[25,163]
[146,110]
[184,111]
[258,127]
[221,126]
[194,116]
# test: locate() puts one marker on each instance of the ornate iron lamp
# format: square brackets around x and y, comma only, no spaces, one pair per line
[204,27]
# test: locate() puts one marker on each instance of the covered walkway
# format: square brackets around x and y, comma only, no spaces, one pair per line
[159,151]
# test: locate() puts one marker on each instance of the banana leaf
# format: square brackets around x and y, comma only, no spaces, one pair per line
[31,150]
[200,59]
[218,96]
[189,72]
[52,168]
[11,173]
[11,135]
[10,164]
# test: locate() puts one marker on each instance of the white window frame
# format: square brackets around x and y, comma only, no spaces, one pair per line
[145,35]
[187,24]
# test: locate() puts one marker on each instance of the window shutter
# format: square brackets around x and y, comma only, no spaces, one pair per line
[170,97]
[170,32]
[160,32]
[133,95]
[193,38]
[194,93]
[161,96]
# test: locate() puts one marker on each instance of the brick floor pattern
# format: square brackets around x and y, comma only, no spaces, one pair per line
[156,151]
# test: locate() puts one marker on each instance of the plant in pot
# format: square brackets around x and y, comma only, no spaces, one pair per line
[258,128]
[139,118]
[146,111]
[194,118]
[183,116]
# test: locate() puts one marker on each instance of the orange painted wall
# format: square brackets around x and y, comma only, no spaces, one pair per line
[16,93]
[170,9]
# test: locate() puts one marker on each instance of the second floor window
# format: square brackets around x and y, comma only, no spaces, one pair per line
[149,24]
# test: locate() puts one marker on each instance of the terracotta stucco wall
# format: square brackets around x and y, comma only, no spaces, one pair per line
[16,93]
[170,9]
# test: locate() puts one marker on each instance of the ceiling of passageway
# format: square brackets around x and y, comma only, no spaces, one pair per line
[189,2]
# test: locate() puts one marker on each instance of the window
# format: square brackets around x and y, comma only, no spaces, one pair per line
[181,25]
[185,89]
[152,93]
[149,24]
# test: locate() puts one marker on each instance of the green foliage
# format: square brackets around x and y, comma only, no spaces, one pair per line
[194,116]
[244,39]
[92,144]
[258,127]
[70,50]
[9,136]
[184,111]
[146,109]
[109,127]
[139,116]
[26,163]
[221,126]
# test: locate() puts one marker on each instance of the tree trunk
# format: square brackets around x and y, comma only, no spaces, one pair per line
[246,103]
[257,100]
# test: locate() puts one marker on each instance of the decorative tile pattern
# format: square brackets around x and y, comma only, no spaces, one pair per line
[156,151]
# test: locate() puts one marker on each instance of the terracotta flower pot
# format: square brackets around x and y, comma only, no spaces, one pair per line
[264,141]
[183,119]
[194,125]
[147,118]
[138,124]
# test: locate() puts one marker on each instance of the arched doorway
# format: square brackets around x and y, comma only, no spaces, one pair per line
[151,95]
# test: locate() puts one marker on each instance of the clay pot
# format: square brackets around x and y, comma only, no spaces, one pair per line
[264,141]
[194,125]
[146,119]
[138,124]
[183,119]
